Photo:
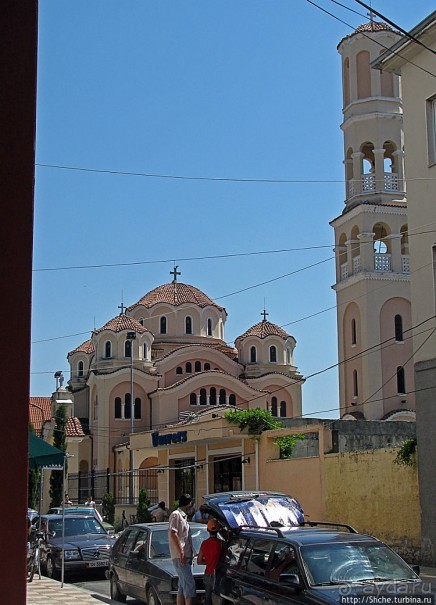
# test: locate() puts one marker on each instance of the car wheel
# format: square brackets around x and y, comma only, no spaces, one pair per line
[152,598]
[116,594]
[50,568]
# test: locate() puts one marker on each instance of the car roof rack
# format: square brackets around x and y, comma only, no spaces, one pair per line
[277,530]
[327,524]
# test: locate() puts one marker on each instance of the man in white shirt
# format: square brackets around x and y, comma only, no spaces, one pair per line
[181,550]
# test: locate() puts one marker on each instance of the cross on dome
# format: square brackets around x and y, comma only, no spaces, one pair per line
[175,273]
[264,313]
[122,308]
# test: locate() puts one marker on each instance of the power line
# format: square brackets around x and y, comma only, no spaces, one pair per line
[369,37]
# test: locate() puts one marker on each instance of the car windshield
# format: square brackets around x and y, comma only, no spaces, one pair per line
[79,526]
[159,546]
[353,562]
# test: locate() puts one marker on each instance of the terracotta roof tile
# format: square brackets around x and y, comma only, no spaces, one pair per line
[373,26]
[122,322]
[264,329]
[86,347]
[39,413]
[74,427]
[176,294]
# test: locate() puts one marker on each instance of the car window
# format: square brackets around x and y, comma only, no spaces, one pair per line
[234,551]
[127,544]
[351,562]
[199,534]
[159,547]
[283,561]
[140,544]
[256,556]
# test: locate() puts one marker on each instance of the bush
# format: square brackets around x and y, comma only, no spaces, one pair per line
[142,514]
[256,420]
[286,444]
[108,508]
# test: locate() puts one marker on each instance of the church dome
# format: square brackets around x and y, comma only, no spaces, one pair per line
[264,329]
[122,322]
[176,294]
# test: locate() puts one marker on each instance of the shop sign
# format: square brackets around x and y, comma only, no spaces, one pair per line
[180,437]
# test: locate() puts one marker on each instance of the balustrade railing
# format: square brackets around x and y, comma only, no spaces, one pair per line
[382,262]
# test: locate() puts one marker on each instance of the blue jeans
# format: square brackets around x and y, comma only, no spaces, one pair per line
[186,579]
[209,583]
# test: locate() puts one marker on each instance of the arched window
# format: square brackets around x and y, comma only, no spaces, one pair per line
[346,81]
[80,369]
[163,325]
[118,407]
[273,354]
[401,381]
[188,325]
[193,399]
[141,321]
[363,75]
[232,399]
[188,367]
[209,326]
[353,332]
[138,408]
[398,322]
[197,366]
[108,349]
[128,348]
[355,384]
[203,397]
[179,370]
[223,397]
[283,409]
[212,396]
[274,406]
[144,351]
[206,366]
[253,355]
[127,406]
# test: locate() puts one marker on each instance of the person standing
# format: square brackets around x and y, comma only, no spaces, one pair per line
[209,555]
[90,502]
[160,514]
[181,550]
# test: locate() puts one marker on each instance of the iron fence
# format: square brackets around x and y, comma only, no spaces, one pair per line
[97,483]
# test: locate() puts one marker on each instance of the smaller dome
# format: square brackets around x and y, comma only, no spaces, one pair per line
[264,329]
[123,322]
[176,294]
[86,347]
[373,26]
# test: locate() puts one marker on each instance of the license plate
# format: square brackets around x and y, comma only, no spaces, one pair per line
[97,564]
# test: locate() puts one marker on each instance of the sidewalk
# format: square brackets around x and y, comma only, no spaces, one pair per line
[49,592]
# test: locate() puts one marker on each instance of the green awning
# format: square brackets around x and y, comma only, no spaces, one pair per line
[42,454]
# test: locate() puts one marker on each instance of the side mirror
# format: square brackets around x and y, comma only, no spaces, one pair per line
[290,579]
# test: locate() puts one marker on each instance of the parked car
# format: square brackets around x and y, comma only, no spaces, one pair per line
[31,513]
[273,556]
[140,565]
[87,545]
[76,510]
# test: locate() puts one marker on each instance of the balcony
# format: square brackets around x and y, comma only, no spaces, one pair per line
[368,184]
[382,262]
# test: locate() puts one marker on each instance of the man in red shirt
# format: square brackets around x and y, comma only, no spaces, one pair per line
[209,555]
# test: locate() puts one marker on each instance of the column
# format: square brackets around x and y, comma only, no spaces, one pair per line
[357,172]
[339,257]
[379,169]
[396,262]
[366,250]
[399,168]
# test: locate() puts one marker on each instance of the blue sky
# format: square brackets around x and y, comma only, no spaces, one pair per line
[226,89]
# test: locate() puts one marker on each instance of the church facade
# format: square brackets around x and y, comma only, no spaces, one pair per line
[163,362]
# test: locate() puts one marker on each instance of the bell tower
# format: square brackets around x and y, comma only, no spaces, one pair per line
[371,238]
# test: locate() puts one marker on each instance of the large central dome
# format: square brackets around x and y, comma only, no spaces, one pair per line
[176,294]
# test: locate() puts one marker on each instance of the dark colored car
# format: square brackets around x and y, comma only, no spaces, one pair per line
[273,556]
[87,545]
[140,565]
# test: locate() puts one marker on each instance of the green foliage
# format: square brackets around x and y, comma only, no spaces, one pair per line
[406,453]
[59,441]
[108,508]
[255,420]
[142,514]
[286,444]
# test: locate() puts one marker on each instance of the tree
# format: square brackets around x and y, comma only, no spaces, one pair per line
[286,444]
[256,420]
[33,482]
[142,513]
[59,441]
[108,508]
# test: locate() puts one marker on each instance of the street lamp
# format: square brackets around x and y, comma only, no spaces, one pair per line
[131,336]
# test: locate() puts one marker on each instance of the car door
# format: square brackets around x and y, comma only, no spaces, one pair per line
[283,576]
[120,555]
[137,562]
[245,583]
